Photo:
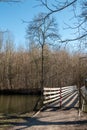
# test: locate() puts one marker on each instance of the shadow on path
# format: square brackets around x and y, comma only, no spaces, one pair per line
[35,121]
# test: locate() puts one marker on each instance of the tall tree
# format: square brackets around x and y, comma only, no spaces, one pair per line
[9,52]
[43,32]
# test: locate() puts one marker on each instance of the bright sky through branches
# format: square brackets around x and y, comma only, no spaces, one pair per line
[12,14]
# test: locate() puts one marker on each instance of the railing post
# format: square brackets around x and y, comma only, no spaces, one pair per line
[79,98]
[60,97]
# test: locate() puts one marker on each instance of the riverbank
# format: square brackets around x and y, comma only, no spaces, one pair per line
[31,91]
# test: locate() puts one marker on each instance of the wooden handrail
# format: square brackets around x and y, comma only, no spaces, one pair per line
[53,94]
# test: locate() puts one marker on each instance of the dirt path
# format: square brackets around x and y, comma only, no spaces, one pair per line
[55,120]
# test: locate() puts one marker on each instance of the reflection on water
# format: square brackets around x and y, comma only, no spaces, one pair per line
[17,103]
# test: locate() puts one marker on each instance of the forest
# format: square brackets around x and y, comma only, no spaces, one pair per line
[22,68]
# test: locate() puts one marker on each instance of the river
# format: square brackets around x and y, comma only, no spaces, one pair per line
[17,103]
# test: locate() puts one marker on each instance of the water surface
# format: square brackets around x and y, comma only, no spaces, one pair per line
[17,103]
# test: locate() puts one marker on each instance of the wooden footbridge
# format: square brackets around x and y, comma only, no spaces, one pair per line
[61,97]
[60,112]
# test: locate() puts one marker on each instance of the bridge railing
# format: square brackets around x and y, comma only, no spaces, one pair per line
[53,94]
[84,98]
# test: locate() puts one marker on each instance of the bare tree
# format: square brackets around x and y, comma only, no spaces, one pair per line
[43,32]
[9,52]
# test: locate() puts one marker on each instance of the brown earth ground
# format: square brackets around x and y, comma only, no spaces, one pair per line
[53,119]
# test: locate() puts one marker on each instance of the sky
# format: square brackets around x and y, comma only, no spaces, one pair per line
[12,14]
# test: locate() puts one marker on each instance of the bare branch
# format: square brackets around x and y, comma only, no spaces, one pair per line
[74,27]
[56,9]
[75,39]
[46,5]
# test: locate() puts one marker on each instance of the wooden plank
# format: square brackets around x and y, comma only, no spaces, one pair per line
[66,90]
[51,96]
[49,93]
[59,88]
[51,100]
[65,93]
[67,87]
[50,89]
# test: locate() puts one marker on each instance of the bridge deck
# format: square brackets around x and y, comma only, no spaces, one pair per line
[53,118]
